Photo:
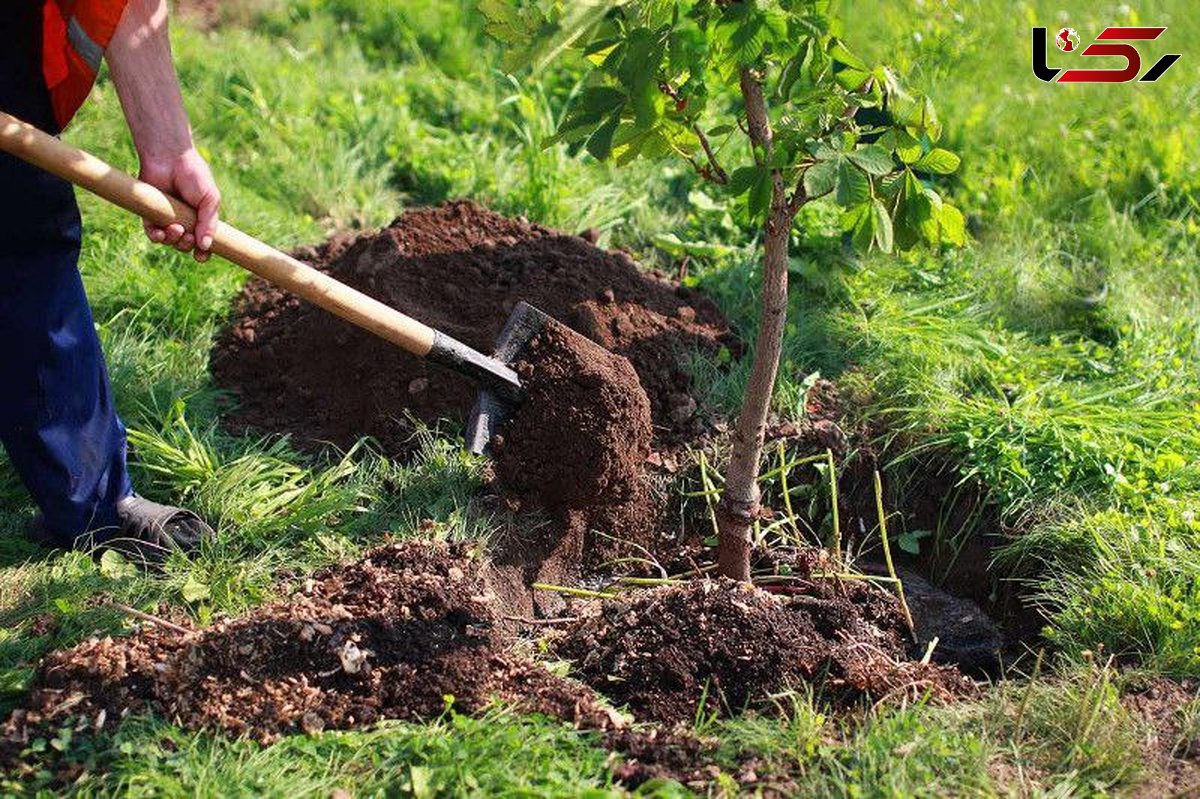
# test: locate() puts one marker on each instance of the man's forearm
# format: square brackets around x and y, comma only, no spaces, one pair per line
[139,60]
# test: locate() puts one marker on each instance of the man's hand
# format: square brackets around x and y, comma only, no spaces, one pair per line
[187,177]
[139,61]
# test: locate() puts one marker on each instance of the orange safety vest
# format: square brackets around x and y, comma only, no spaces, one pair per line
[75,34]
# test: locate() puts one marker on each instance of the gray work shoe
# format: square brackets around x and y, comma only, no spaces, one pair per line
[147,533]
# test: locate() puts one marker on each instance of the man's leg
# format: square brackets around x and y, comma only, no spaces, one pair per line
[57,420]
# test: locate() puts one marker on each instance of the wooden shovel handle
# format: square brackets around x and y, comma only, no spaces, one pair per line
[88,172]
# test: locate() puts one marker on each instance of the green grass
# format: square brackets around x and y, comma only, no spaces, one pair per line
[498,754]
[1054,360]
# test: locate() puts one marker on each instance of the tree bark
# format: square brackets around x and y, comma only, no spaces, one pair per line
[739,504]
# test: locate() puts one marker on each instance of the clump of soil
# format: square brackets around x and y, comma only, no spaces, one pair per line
[729,645]
[390,636]
[577,446]
[460,268]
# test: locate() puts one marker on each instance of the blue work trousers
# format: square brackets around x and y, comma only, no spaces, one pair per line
[57,421]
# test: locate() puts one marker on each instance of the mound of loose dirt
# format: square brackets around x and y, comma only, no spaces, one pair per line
[461,268]
[390,636]
[665,651]
[577,447]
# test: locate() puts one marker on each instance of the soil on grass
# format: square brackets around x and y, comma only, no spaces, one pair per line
[1172,749]
[727,645]
[460,268]
[576,448]
[392,635]
[388,637]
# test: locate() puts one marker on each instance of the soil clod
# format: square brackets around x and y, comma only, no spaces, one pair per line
[727,645]
[460,268]
[577,447]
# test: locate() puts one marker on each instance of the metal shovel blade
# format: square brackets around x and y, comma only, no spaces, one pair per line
[491,410]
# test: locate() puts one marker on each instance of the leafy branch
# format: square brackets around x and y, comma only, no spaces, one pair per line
[818,124]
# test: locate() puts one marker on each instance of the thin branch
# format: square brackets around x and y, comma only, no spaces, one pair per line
[719,174]
[715,171]
[799,196]
[542,622]
[142,615]
[756,113]
[763,137]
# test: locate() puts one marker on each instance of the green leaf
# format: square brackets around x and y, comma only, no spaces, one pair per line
[938,161]
[507,22]
[597,102]
[950,222]
[910,540]
[721,130]
[648,104]
[600,143]
[670,243]
[889,184]
[852,185]
[631,143]
[793,70]
[927,215]
[760,195]
[114,566]
[873,159]
[850,79]
[842,55]
[746,30]
[908,147]
[194,591]
[642,56]
[743,178]
[862,227]
[850,71]
[820,178]
[883,226]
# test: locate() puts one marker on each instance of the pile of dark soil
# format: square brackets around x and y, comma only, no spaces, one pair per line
[390,636]
[665,651]
[577,447]
[460,268]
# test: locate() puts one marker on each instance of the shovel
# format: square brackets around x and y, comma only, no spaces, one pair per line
[500,388]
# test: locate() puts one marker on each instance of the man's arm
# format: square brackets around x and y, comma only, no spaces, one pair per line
[139,60]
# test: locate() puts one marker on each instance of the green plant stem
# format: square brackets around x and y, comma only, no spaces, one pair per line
[787,497]
[887,556]
[1037,670]
[833,498]
[568,591]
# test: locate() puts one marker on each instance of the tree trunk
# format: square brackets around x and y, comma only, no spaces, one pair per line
[739,504]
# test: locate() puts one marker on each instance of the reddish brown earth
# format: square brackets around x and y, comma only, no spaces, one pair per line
[577,448]
[390,636]
[1172,749]
[730,645]
[460,268]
